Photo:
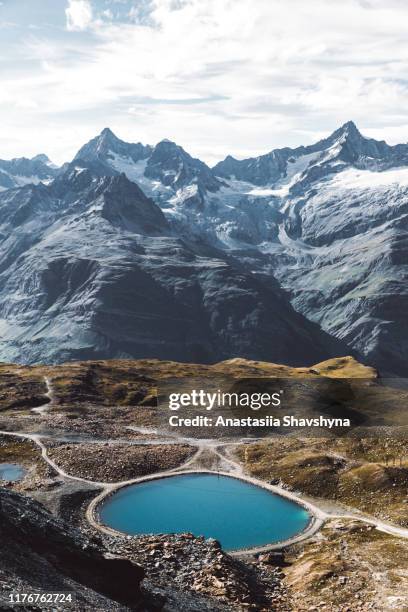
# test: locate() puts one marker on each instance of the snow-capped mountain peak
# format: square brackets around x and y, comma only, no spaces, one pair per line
[165,167]
[348,130]
[22,171]
[44,159]
[174,167]
[104,146]
[345,147]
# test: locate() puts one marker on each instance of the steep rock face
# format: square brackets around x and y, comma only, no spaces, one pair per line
[39,551]
[262,170]
[345,264]
[102,274]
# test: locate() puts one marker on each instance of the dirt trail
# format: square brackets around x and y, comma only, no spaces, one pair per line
[224,465]
[45,407]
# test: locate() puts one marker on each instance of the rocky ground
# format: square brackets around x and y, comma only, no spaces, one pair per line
[41,552]
[114,461]
[198,566]
[100,425]
[369,474]
[348,566]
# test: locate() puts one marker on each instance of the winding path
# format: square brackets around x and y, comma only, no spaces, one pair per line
[45,407]
[232,469]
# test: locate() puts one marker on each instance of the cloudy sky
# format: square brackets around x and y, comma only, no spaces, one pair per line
[217,76]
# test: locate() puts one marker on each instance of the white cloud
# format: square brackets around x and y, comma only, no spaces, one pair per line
[219,77]
[78,14]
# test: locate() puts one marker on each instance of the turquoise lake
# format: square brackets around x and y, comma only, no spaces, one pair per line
[11,472]
[237,513]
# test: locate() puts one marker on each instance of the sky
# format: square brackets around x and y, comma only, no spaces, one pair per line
[218,77]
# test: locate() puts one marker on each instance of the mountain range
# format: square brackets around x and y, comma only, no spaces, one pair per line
[23,171]
[139,251]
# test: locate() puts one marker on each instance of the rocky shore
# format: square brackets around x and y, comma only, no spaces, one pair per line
[195,566]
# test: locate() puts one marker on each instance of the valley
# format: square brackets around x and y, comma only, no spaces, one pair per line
[203,306]
[136,269]
[99,429]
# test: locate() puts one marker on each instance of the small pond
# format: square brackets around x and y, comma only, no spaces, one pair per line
[11,472]
[235,512]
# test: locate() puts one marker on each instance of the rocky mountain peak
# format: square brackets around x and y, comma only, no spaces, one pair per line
[107,146]
[174,167]
[125,206]
[119,184]
[90,187]
[170,147]
[44,159]
[107,132]
[98,146]
[350,129]
[22,171]
[108,138]
[348,145]
[347,133]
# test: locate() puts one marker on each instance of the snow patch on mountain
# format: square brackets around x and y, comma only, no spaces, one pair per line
[265,192]
[23,171]
[352,178]
[135,172]
[183,194]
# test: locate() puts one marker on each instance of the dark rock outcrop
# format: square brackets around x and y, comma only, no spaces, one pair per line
[41,553]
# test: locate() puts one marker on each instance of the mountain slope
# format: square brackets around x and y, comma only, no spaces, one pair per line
[339,243]
[341,246]
[41,552]
[98,272]
[344,261]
